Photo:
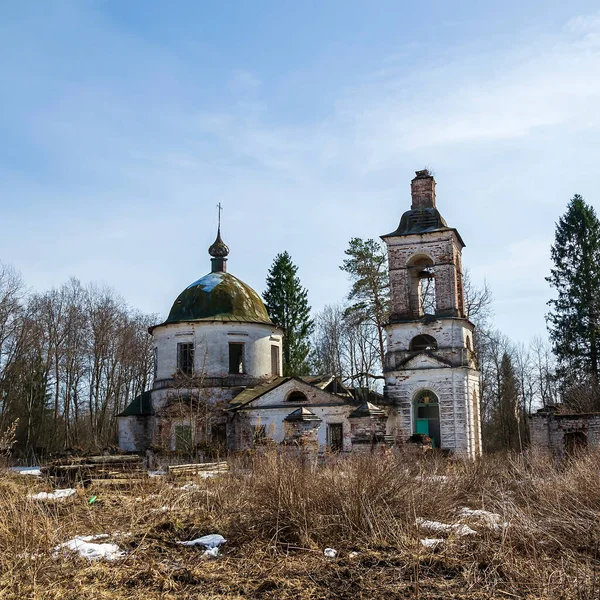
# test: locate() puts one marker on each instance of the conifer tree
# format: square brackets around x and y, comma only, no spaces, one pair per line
[574,318]
[287,305]
[370,292]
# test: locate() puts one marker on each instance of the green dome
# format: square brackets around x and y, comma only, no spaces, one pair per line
[219,296]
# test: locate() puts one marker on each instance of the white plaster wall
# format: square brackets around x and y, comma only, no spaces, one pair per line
[453,387]
[211,341]
[449,332]
[135,433]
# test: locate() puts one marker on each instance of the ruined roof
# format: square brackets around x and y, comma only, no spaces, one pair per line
[253,393]
[366,409]
[141,406]
[219,296]
[302,414]
[320,382]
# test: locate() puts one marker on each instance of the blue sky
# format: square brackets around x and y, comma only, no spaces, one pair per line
[123,124]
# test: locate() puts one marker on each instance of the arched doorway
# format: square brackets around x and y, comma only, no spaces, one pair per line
[426,415]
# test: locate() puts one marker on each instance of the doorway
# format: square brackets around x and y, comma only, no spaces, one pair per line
[426,416]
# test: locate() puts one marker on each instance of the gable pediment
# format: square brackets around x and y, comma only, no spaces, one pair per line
[424,360]
[295,393]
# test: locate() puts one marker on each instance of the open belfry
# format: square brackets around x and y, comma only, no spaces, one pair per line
[431,376]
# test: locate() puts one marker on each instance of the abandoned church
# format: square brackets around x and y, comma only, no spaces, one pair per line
[218,361]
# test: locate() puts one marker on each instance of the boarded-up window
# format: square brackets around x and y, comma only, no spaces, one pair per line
[236,358]
[183,437]
[275,360]
[185,358]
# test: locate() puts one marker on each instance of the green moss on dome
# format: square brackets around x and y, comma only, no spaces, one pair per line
[219,297]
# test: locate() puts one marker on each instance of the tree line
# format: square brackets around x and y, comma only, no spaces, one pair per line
[71,359]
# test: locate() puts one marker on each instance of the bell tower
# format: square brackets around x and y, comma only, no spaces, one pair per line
[430,372]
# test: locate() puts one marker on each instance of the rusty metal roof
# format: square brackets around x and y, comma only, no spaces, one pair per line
[421,220]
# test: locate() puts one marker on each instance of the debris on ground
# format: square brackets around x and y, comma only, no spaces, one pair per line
[56,495]
[330,552]
[432,542]
[200,469]
[99,470]
[211,542]
[86,548]
[456,528]
[33,471]
[490,519]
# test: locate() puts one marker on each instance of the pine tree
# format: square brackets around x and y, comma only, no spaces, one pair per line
[370,291]
[574,317]
[287,305]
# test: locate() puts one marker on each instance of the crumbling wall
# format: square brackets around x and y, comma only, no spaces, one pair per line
[442,247]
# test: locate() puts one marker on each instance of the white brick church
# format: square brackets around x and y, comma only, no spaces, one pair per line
[218,384]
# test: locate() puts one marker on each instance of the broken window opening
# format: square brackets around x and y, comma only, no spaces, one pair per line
[427,291]
[259,434]
[335,437]
[275,360]
[422,300]
[296,396]
[423,342]
[185,358]
[236,358]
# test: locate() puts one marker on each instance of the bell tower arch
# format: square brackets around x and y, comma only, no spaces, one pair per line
[429,338]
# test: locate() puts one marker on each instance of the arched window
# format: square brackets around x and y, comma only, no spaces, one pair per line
[423,342]
[422,285]
[296,396]
[426,415]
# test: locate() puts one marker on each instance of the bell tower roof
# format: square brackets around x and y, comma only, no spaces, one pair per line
[423,216]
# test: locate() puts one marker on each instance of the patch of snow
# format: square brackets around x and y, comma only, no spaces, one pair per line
[212,552]
[56,495]
[85,547]
[213,540]
[491,519]
[208,282]
[188,486]
[33,471]
[432,542]
[330,552]
[156,473]
[457,528]
[352,554]
[432,478]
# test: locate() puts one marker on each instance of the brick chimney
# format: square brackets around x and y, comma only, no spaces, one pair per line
[422,190]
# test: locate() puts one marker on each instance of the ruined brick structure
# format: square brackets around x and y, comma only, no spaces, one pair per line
[430,372]
[561,432]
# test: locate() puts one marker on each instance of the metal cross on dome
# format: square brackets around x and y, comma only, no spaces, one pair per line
[220,208]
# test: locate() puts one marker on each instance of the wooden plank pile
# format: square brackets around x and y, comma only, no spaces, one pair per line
[119,470]
[197,468]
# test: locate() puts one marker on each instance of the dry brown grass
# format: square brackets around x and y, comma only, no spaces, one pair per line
[278,516]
